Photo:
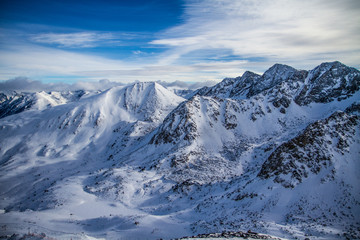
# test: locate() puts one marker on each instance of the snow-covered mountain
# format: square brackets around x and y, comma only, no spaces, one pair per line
[70,132]
[276,153]
[13,102]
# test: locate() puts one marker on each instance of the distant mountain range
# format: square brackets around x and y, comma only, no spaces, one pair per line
[277,153]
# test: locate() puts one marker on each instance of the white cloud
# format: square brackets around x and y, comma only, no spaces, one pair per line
[73,40]
[187,85]
[278,30]
[137,52]
[24,84]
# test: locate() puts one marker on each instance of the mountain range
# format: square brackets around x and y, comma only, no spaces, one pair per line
[276,153]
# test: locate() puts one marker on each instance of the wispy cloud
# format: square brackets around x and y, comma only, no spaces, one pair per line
[75,40]
[195,72]
[137,52]
[277,30]
[48,63]
[37,62]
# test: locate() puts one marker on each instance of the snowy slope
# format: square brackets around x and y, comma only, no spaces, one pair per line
[51,152]
[88,120]
[13,102]
[221,133]
[308,186]
[271,153]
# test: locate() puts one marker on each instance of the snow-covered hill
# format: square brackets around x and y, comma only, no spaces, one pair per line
[276,153]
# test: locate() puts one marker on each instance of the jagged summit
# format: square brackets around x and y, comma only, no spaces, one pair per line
[251,84]
[249,74]
[326,66]
[327,82]
[222,89]
[275,75]
[279,70]
[240,89]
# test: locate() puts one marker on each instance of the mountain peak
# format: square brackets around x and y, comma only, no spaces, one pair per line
[280,67]
[149,99]
[248,74]
[329,81]
[222,89]
[335,68]
[278,72]
[328,65]
[272,77]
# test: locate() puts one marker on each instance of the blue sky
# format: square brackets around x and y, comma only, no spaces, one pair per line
[187,40]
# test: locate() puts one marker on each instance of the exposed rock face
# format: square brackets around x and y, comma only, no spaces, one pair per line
[14,104]
[272,77]
[312,150]
[329,82]
[242,85]
[325,83]
[238,112]
[178,125]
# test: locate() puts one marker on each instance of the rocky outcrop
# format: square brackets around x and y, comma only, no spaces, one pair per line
[329,82]
[312,150]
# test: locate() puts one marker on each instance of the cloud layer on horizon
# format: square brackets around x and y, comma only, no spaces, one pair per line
[24,84]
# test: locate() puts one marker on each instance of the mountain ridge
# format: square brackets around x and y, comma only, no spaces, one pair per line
[254,152]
